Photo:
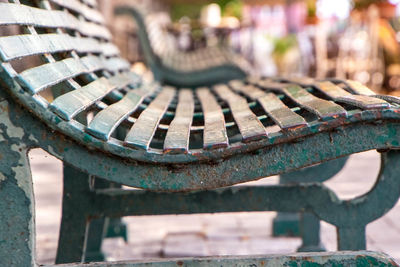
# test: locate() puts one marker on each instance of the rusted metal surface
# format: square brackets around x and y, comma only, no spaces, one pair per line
[351,259]
[17,228]
[281,114]
[34,133]
[177,138]
[249,126]
[216,154]
[143,130]
[106,121]
[214,133]
[268,161]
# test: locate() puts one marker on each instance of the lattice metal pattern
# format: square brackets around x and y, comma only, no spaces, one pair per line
[100,102]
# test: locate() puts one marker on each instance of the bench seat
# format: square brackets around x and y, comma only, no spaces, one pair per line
[167,126]
[215,128]
[178,126]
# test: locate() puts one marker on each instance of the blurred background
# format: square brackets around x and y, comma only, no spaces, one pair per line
[354,39]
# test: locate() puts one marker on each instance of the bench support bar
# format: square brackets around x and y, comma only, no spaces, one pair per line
[350,216]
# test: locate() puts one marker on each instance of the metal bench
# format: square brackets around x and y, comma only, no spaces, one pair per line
[77,99]
[202,67]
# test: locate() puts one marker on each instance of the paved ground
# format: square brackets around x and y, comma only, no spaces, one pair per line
[203,235]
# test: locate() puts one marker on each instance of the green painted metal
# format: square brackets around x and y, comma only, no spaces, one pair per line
[214,134]
[348,259]
[282,115]
[117,228]
[249,126]
[177,138]
[310,233]
[142,132]
[38,78]
[175,183]
[72,103]
[350,217]
[171,76]
[50,19]
[321,107]
[271,160]
[312,197]
[17,227]
[318,173]
[74,226]
[339,94]
[97,229]
[14,47]
[77,132]
[287,224]
[106,121]
[90,13]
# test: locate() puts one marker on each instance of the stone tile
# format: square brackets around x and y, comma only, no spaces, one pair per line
[256,220]
[47,183]
[218,233]
[116,249]
[271,245]
[184,245]
[220,247]
[265,181]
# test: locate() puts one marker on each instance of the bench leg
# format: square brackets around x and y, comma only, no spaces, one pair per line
[310,233]
[117,228]
[74,223]
[351,239]
[17,226]
[97,229]
[88,237]
[291,224]
[286,224]
[100,229]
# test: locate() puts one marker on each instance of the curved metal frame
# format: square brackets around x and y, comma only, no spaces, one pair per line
[350,217]
[20,131]
[267,161]
[167,75]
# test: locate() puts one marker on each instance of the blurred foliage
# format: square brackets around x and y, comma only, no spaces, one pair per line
[189,10]
[311,8]
[284,44]
[361,4]
[233,9]
[192,10]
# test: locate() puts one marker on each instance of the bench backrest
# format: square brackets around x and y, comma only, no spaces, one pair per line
[154,39]
[65,46]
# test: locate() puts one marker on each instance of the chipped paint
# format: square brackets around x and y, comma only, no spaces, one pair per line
[361,259]
[21,169]
[339,135]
